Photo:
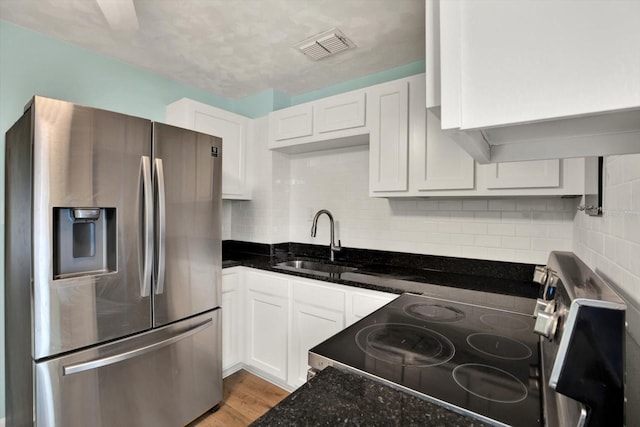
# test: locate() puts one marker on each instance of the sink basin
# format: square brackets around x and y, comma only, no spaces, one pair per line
[311,267]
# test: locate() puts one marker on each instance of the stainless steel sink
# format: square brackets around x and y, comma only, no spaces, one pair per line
[311,267]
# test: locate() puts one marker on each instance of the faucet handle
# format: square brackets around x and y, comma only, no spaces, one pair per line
[338,247]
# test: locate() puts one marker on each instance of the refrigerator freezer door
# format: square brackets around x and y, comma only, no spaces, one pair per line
[89,247]
[187,180]
[164,377]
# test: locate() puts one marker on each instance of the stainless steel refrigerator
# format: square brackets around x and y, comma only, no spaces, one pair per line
[113,269]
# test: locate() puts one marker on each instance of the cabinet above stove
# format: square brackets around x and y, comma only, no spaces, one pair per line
[535,80]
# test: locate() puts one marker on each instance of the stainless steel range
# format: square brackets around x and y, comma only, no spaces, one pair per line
[488,363]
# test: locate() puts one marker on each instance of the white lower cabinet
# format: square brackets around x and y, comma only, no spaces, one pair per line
[317,314]
[362,302]
[284,316]
[267,308]
[232,319]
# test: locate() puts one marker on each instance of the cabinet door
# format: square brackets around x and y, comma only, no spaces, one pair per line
[232,128]
[311,325]
[530,174]
[545,59]
[293,122]
[340,112]
[441,164]
[318,313]
[267,323]
[232,314]
[361,304]
[389,136]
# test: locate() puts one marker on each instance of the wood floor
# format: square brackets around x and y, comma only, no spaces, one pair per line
[245,397]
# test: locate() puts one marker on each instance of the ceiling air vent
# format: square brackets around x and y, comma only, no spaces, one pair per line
[325,44]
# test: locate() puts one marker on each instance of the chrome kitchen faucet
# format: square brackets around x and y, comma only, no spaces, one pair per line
[314,229]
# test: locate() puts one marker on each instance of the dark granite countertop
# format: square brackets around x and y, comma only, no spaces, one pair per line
[392,272]
[334,398]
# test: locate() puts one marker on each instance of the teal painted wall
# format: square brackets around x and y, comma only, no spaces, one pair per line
[368,80]
[31,63]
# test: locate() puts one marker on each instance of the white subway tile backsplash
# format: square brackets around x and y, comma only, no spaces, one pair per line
[502,205]
[635,196]
[634,259]
[488,241]
[474,252]
[488,216]
[631,165]
[611,243]
[502,229]
[428,205]
[555,205]
[501,254]
[535,257]
[531,205]
[550,244]
[450,227]
[549,216]
[293,188]
[461,216]
[632,226]
[450,205]
[516,242]
[475,205]
[516,217]
[474,228]
[531,230]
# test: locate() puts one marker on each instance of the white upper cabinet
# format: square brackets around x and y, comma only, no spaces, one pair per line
[340,112]
[535,173]
[527,80]
[333,122]
[389,137]
[437,162]
[232,128]
[293,122]
[439,167]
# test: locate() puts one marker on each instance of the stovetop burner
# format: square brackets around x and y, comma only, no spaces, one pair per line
[469,358]
[434,312]
[498,346]
[406,345]
[490,383]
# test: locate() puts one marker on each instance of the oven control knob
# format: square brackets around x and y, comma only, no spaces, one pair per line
[544,306]
[546,324]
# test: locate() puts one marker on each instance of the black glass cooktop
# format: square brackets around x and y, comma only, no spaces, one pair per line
[476,360]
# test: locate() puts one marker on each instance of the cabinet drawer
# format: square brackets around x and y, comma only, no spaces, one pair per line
[267,284]
[317,295]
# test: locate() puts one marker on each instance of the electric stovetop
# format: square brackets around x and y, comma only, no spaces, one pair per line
[475,360]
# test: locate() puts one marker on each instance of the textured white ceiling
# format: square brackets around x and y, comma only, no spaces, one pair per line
[235,48]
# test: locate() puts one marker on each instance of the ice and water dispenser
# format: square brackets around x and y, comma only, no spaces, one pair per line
[84,241]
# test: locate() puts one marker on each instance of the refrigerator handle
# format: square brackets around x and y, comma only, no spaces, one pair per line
[147,189]
[162,226]
[110,360]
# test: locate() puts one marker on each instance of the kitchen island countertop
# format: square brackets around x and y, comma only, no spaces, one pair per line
[334,397]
